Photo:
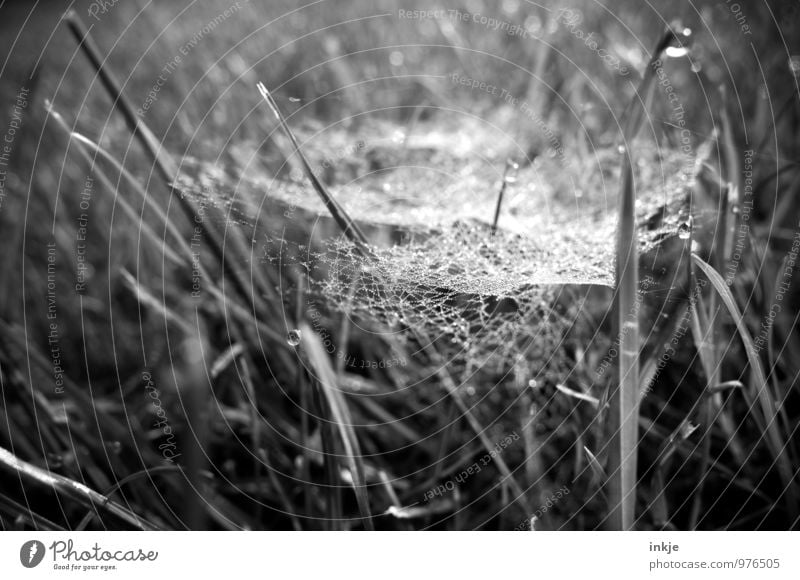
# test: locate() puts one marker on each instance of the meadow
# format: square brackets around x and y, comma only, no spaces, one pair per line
[348,265]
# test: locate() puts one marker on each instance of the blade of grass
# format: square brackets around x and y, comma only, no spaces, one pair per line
[152,145]
[148,473]
[624,398]
[84,146]
[452,390]
[313,349]
[507,178]
[768,411]
[343,220]
[735,192]
[70,488]
[168,172]
[18,511]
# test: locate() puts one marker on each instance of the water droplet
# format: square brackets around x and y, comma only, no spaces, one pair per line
[735,209]
[55,461]
[676,51]
[794,65]
[294,337]
[396,58]
[685,230]
[533,383]
[621,149]
[687,429]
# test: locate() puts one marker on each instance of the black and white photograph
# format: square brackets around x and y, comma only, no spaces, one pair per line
[470,267]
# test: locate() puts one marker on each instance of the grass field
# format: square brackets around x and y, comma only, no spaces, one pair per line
[458,266]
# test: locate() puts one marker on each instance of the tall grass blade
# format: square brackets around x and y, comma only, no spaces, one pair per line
[735,192]
[168,171]
[340,415]
[163,163]
[508,177]
[347,225]
[452,390]
[768,411]
[75,490]
[624,399]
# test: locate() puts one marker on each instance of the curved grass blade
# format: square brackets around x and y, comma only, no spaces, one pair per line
[72,489]
[768,411]
[340,415]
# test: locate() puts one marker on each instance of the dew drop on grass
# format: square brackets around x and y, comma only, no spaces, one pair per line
[676,51]
[294,337]
[794,65]
[55,461]
[685,230]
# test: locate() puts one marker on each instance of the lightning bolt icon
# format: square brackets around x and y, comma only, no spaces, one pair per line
[34,549]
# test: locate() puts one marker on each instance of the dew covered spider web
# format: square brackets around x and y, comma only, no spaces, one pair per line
[426,202]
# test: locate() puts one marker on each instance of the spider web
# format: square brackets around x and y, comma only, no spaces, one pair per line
[427,202]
